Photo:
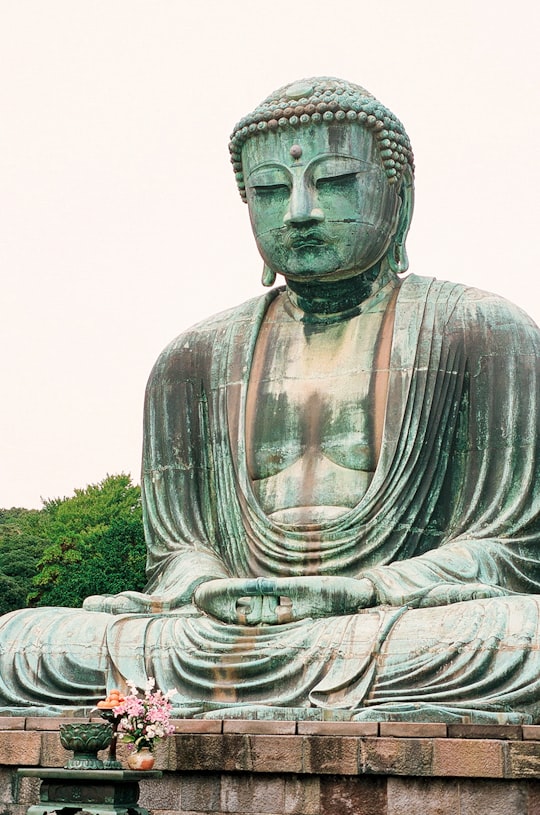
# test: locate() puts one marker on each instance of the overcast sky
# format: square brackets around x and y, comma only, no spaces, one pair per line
[120,222]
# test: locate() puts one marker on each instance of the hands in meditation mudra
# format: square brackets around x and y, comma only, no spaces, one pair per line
[340,479]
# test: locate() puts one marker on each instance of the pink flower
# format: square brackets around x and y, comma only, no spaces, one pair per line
[142,721]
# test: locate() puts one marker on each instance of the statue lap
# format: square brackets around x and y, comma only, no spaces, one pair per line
[465,657]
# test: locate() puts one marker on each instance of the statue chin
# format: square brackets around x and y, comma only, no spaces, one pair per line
[341,482]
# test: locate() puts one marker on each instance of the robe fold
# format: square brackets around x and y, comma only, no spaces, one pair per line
[454,502]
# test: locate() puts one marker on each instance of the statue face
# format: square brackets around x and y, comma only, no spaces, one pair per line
[320,203]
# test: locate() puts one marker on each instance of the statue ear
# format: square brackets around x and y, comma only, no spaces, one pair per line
[268,276]
[397,253]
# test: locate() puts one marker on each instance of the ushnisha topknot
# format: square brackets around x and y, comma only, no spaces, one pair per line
[325,99]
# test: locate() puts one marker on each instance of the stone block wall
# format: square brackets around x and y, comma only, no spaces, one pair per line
[239,767]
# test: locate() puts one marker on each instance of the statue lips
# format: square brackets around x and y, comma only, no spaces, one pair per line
[306,239]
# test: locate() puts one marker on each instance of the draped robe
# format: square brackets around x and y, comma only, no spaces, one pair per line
[454,500]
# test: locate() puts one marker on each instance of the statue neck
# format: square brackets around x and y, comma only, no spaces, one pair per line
[328,302]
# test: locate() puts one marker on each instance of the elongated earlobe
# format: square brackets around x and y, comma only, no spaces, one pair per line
[397,254]
[268,276]
[397,257]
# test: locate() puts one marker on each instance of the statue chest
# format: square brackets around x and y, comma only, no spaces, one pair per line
[310,414]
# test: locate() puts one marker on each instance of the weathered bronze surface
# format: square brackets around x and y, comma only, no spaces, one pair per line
[85,739]
[341,479]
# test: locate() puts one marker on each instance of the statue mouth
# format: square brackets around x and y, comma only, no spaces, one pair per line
[306,240]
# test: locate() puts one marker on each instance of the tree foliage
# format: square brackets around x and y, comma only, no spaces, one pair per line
[89,543]
[21,547]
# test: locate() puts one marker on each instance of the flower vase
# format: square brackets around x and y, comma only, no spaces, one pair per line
[142,759]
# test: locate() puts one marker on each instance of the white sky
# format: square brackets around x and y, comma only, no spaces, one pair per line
[120,224]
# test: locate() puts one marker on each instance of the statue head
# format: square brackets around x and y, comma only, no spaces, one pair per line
[327,173]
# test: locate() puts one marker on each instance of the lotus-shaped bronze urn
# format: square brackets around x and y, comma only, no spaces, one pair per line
[85,740]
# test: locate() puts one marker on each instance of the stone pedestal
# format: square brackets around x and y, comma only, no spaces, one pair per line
[308,768]
[97,792]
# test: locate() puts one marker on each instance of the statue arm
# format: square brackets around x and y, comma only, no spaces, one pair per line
[491,494]
[455,572]
[177,491]
[177,505]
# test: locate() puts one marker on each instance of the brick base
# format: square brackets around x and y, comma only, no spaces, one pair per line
[309,768]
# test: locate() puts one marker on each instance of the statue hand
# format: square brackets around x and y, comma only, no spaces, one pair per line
[271,601]
[238,600]
[125,603]
[448,593]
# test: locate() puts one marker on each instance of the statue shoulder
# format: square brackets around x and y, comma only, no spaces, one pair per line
[466,310]
[503,323]
[192,350]
[478,320]
[467,302]
[481,302]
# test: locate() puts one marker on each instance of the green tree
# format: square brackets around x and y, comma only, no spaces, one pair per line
[21,546]
[95,544]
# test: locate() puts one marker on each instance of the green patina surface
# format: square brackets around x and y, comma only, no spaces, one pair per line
[341,479]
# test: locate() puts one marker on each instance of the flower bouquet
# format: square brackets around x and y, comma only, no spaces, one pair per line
[144,720]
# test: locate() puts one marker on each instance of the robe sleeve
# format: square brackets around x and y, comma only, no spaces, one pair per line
[178,509]
[491,492]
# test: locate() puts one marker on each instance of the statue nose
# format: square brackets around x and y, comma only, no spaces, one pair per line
[303,206]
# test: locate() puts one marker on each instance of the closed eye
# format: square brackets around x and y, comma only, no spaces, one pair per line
[336,181]
[269,188]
